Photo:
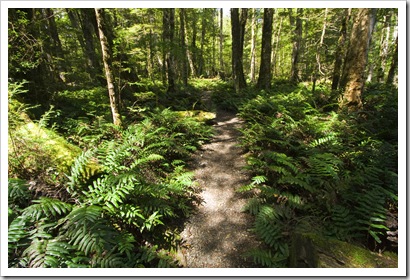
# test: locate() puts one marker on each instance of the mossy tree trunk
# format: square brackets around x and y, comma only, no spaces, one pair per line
[107,60]
[356,59]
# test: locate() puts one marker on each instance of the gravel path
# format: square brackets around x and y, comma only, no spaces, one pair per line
[218,234]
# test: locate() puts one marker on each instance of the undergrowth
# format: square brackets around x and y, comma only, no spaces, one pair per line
[320,170]
[123,198]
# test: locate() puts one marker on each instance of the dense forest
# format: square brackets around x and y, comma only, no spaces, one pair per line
[105,113]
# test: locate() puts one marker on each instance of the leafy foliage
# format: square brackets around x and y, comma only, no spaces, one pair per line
[123,198]
[330,172]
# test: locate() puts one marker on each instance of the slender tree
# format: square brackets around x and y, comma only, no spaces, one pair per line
[238,29]
[265,71]
[297,39]
[183,59]
[253,47]
[107,60]
[221,39]
[55,44]
[275,50]
[384,47]
[393,65]
[168,38]
[339,53]
[318,67]
[87,20]
[356,58]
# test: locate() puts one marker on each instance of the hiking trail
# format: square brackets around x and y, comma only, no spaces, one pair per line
[217,234]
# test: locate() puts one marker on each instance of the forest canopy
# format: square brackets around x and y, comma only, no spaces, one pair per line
[106,107]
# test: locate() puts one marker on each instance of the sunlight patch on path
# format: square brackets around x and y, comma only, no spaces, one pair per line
[218,234]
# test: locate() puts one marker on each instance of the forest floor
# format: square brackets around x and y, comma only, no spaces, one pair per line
[218,235]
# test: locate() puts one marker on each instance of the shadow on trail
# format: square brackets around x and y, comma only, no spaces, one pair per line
[218,234]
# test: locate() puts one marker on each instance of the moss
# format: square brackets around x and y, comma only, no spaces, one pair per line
[199,115]
[335,253]
[35,143]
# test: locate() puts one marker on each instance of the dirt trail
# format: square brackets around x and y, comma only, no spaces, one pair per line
[218,234]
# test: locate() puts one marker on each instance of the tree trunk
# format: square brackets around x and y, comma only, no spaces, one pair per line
[253,47]
[86,19]
[168,36]
[106,56]
[238,27]
[76,26]
[265,73]
[221,39]
[384,48]
[194,49]
[52,47]
[276,49]
[393,65]
[202,43]
[150,46]
[356,58]
[214,32]
[297,39]
[184,68]
[339,53]
[318,69]
[58,49]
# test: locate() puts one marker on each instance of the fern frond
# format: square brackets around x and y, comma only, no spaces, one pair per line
[17,230]
[266,258]
[47,253]
[18,191]
[253,205]
[46,207]
[80,172]
[332,138]
[85,214]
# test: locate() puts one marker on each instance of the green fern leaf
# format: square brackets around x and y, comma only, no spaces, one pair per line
[46,207]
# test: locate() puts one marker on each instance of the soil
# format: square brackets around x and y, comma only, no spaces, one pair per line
[218,234]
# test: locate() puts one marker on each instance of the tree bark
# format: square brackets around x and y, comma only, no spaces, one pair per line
[202,43]
[253,47]
[238,26]
[194,49]
[221,39]
[318,69]
[384,48]
[106,56]
[297,39]
[276,49]
[394,62]
[265,72]
[168,36]
[356,58]
[184,68]
[87,18]
[52,47]
[339,53]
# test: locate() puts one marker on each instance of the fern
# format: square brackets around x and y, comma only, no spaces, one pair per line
[372,213]
[324,140]
[80,172]
[266,258]
[47,253]
[18,193]
[45,208]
